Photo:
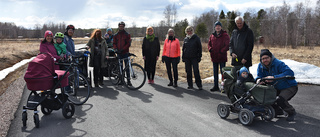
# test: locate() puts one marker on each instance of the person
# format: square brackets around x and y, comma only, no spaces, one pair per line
[109,37]
[271,67]
[171,56]
[59,45]
[47,46]
[99,52]
[218,46]
[191,56]
[243,76]
[241,44]
[68,39]
[150,53]
[121,44]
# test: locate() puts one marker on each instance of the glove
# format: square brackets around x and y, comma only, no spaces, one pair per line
[162,59]
[199,59]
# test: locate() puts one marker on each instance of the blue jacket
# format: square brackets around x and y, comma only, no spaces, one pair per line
[70,44]
[277,69]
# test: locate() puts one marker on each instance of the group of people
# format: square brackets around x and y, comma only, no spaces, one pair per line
[240,45]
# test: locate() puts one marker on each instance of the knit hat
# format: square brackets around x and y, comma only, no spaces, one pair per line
[217,23]
[109,29]
[48,32]
[243,69]
[265,52]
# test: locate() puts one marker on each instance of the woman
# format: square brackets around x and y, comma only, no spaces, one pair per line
[218,46]
[99,52]
[150,53]
[47,46]
[171,55]
[191,56]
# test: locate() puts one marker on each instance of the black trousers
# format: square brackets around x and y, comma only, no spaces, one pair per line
[192,63]
[174,62]
[97,70]
[150,67]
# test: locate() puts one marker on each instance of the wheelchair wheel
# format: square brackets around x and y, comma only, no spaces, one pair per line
[68,110]
[269,113]
[36,120]
[114,73]
[136,77]
[223,110]
[246,116]
[24,118]
[78,94]
[45,111]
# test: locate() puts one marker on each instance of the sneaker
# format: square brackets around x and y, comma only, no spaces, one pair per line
[291,116]
[149,81]
[152,81]
[214,89]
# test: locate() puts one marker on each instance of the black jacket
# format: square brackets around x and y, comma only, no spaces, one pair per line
[241,43]
[192,48]
[151,49]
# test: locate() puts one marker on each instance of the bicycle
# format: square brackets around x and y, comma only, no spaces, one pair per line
[137,75]
[79,91]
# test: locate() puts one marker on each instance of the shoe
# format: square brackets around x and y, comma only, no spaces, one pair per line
[149,81]
[170,84]
[152,81]
[96,85]
[175,84]
[200,88]
[190,87]
[129,83]
[101,83]
[214,89]
[291,116]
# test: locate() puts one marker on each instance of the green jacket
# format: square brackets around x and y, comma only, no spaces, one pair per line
[61,48]
[104,52]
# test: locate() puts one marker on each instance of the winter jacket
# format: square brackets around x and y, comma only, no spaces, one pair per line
[104,52]
[171,48]
[218,46]
[192,48]
[122,42]
[70,44]
[49,48]
[109,41]
[151,49]
[277,69]
[241,44]
[61,48]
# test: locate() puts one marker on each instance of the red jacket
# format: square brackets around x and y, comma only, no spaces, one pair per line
[171,49]
[49,48]
[218,46]
[122,41]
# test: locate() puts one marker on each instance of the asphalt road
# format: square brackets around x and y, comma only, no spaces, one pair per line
[159,110]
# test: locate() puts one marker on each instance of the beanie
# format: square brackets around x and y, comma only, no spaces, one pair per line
[217,23]
[243,69]
[265,52]
[48,32]
[109,29]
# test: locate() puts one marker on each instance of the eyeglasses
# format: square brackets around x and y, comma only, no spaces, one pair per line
[265,58]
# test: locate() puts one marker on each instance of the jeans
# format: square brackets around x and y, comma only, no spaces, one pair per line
[216,72]
[189,64]
[125,57]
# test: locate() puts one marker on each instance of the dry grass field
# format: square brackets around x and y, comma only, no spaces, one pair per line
[15,50]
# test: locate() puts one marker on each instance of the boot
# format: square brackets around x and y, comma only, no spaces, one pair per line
[170,84]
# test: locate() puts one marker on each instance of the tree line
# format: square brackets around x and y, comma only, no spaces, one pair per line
[285,25]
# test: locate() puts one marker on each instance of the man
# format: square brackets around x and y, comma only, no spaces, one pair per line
[121,43]
[68,39]
[241,44]
[271,67]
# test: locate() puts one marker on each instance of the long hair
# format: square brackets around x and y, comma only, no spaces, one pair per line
[93,34]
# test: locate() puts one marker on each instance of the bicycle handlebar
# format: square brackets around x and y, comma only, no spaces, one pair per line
[284,77]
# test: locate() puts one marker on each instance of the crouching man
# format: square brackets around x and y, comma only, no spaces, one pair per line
[271,67]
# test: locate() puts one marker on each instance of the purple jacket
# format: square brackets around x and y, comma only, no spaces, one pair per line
[49,48]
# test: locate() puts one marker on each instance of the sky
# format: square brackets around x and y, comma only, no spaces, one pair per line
[103,13]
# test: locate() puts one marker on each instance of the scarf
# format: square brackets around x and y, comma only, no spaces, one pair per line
[189,36]
[150,37]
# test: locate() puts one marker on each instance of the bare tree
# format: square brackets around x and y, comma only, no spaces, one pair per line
[167,14]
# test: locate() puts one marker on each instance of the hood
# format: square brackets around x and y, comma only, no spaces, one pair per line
[272,59]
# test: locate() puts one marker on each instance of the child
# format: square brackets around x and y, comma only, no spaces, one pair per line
[244,76]
[59,45]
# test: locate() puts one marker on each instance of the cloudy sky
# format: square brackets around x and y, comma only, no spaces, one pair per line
[103,13]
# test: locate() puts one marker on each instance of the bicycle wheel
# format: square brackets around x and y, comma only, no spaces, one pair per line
[114,73]
[78,95]
[136,78]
